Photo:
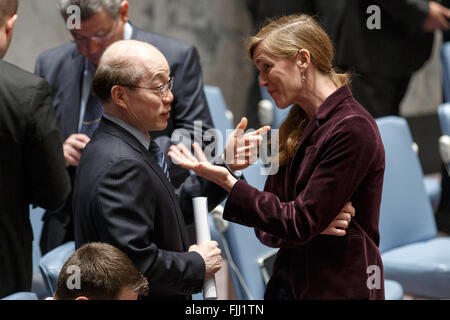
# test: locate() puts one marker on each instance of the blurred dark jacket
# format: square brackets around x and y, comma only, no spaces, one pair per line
[32,170]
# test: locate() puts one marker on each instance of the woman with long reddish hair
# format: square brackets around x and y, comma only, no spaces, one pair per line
[330,153]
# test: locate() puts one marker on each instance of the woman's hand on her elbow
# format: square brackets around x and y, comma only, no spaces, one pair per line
[339,225]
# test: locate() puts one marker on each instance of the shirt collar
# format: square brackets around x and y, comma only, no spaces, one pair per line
[139,135]
[128,31]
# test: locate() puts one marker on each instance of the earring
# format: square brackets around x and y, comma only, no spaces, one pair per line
[303,77]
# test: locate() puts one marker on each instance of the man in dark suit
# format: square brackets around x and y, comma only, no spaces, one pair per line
[32,169]
[382,45]
[70,69]
[122,194]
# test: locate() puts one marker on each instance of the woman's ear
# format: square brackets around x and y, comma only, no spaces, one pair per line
[303,59]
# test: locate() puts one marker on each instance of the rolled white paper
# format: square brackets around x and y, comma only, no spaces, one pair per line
[200,205]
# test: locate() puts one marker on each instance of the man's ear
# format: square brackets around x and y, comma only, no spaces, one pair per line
[9,26]
[123,13]
[119,96]
[82,298]
[7,33]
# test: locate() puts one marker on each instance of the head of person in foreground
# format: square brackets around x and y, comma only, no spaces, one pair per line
[99,271]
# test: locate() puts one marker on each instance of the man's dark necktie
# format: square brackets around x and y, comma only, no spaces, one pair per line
[156,152]
[92,116]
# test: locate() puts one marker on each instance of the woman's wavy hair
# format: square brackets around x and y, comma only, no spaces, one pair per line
[284,38]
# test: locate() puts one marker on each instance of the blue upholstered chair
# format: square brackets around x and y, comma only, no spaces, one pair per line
[445,61]
[433,190]
[223,122]
[38,285]
[444,121]
[247,251]
[411,253]
[393,290]
[52,263]
[21,296]
[221,116]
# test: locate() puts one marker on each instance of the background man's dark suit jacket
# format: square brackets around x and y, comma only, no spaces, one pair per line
[32,170]
[122,197]
[63,66]
[398,49]
[382,60]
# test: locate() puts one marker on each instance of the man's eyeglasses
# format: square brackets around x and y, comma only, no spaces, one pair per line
[97,39]
[162,90]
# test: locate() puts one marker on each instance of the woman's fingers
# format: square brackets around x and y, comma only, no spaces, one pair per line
[242,125]
[349,208]
[260,132]
[341,224]
[339,232]
[344,216]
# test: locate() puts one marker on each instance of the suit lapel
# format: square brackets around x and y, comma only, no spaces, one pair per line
[179,214]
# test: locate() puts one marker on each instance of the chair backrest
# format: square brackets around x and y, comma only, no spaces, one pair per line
[444,121]
[218,109]
[279,115]
[21,296]
[444,118]
[445,61]
[52,263]
[406,213]
[246,249]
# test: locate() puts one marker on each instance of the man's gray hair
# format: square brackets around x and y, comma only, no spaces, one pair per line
[7,8]
[90,7]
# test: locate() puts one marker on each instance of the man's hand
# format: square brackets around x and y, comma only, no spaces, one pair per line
[210,252]
[183,157]
[73,147]
[437,18]
[340,223]
[241,150]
